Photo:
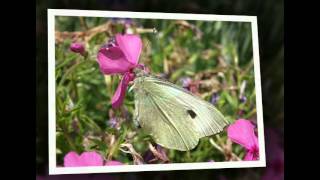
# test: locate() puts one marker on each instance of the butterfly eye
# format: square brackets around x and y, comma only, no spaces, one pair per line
[191,113]
[137,124]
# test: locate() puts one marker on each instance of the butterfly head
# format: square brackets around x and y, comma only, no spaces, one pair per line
[137,83]
[141,70]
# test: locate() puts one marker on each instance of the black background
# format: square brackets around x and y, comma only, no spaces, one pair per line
[270,16]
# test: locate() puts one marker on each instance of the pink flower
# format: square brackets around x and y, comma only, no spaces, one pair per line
[242,132]
[113,163]
[120,57]
[72,159]
[77,48]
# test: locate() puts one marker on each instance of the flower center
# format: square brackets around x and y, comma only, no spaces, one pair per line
[113,53]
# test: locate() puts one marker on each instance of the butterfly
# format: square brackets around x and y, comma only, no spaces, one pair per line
[174,117]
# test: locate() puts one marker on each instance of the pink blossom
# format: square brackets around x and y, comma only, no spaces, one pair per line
[242,132]
[77,48]
[72,159]
[120,57]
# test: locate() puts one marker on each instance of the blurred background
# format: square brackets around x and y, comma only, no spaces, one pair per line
[270,28]
[212,59]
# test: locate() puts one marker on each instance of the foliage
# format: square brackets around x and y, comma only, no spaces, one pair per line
[217,56]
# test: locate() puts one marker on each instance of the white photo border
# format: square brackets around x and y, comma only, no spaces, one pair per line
[53,169]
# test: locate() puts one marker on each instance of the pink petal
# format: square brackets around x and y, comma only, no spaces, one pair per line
[119,95]
[113,163]
[242,132]
[71,159]
[131,46]
[77,48]
[249,156]
[91,159]
[112,61]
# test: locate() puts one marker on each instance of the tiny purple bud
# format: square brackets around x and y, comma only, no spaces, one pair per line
[241,112]
[186,81]
[243,99]
[77,48]
[214,98]
[112,122]
[114,20]
[128,21]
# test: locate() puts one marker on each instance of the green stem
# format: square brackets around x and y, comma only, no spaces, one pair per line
[221,149]
[83,23]
[74,84]
[251,113]
[69,71]
[69,139]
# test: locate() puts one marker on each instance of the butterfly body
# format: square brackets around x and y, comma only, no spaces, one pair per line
[174,117]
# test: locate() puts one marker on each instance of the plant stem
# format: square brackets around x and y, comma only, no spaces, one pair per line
[221,149]
[69,71]
[69,140]
[83,23]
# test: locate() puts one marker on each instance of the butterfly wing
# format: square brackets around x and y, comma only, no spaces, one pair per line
[160,118]
[173,116]
[208,119]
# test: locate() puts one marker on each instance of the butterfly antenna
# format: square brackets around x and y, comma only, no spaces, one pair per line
[131,88]
[155,32]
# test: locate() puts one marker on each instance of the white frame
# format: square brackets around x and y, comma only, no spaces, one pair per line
[148,167]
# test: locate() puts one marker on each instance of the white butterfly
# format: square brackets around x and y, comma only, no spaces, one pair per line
[174,117]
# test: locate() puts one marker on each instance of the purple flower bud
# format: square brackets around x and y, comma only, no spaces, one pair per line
[112,122]
[75,125]
[243,99]
[114,20]
[186,81]
[125,21]
[128,21]
[214,98]
[148,156]
[77,48]
[241,112]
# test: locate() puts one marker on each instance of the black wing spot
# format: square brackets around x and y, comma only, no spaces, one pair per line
[191,113]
